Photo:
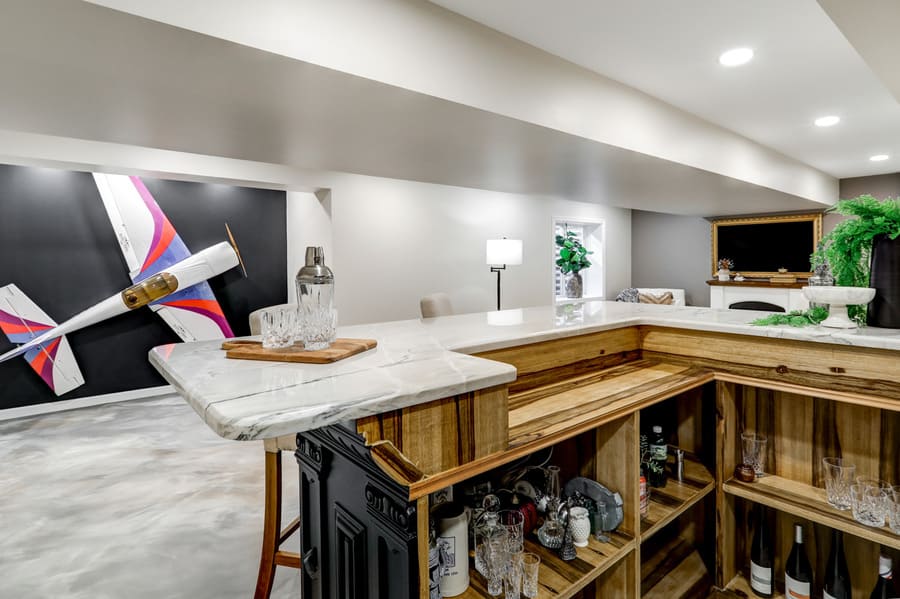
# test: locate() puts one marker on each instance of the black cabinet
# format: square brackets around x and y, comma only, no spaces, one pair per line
[358,531]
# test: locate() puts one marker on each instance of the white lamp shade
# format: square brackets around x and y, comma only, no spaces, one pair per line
[504,251]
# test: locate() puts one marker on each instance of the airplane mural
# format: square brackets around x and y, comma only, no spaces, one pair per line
[166,276]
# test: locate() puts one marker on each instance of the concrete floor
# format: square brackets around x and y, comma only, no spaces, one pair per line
[136,499]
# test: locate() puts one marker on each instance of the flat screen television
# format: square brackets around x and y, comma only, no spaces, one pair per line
[760,246]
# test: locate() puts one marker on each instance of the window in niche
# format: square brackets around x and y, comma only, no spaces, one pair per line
[591,234]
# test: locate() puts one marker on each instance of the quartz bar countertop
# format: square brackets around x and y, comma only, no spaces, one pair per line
[421,360]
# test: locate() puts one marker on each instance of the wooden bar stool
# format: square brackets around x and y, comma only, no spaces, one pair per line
[273,535]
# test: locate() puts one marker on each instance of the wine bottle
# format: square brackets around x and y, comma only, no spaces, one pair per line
[761,556]
[659,455]
[837,575]
[797,571]
[884,588]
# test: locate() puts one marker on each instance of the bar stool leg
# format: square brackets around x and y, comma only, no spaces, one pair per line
[271,526]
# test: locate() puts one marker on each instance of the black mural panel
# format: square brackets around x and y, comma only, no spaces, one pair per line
[57,245]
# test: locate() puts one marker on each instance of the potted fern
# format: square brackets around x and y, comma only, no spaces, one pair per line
[865,252]
[573,258]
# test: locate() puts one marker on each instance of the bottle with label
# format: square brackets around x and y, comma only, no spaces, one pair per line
[434,565]
[797,571]
[837,574]
[761,570]
[884,588]
[659,454]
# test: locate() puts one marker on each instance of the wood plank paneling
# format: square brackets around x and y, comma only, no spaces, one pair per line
[793,437]
[546,355]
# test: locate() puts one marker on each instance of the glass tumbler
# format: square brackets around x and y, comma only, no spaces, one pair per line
[893,512]
[753,450]
[531,565]
[838,479]
[514,522]
[868,505]
[317,327]
[278,327]
[512,585]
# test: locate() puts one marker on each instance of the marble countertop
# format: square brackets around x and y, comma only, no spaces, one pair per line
[420,360]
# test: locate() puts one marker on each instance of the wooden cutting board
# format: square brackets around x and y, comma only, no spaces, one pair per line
[340,349]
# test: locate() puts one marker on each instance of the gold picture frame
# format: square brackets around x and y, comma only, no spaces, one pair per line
[814,218]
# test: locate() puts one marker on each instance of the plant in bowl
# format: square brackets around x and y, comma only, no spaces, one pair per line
[573,258]
[862,252]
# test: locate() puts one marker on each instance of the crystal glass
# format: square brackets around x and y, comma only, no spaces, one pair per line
[838,478]
[485,527]
[277,326]
[531,565]
[868,505]
[551,533]
[514,522]
[512,584]
[893,512]
[495,553]
[874,483]
[318,326]
[753,448]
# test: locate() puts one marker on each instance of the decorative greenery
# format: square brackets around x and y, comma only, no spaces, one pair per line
[573,256]
[796,318]
[848,247]
[725,264]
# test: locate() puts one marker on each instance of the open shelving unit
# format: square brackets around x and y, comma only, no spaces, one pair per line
[802,429]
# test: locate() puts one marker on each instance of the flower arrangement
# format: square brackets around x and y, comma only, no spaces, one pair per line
[725,263]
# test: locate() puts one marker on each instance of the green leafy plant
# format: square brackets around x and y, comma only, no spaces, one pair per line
[848,247]
[796,318]
[573,256]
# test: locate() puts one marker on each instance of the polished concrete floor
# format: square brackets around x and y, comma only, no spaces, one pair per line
[136,499]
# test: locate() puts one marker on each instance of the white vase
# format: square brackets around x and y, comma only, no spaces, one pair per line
[580,526]
[724,274]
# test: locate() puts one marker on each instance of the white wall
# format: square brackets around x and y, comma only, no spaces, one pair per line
[396,241]
[308,223]
[432,234]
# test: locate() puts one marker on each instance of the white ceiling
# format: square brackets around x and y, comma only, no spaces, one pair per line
[804,67]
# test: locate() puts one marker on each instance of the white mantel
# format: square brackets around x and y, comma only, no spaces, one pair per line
[788,297]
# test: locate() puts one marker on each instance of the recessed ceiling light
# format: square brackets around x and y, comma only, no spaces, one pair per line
[736,57]
[827,121]
[879,157]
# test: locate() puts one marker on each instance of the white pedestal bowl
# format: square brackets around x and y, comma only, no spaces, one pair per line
[838,298]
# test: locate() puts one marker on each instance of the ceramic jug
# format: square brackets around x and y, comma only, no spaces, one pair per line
[452,526]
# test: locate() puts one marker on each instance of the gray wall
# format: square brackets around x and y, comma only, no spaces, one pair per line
[880,186]
[671,251]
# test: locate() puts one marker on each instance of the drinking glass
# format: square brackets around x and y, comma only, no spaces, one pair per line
[868,505]
[893,512]
[838,478]
[278,325]
[874,483]
[754,451]
[513,583]
[495,559]
[514,522]
[531,564]
[318,327]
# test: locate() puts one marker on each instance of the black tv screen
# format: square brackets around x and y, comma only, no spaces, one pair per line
[766,247]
